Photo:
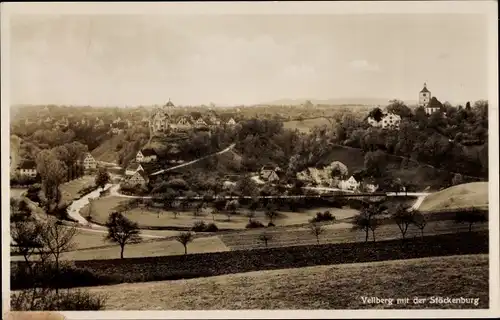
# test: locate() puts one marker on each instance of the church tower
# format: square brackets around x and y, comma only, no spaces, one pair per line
[424,97]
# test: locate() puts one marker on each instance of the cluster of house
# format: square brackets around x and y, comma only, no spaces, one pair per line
[27,168]
[163,119]
[135,173]
[324,177]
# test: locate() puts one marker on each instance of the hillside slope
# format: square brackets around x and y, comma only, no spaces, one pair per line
[320,287]
[474,194]
[108,150]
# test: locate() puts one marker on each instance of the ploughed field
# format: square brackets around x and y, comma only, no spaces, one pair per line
[114,271]
[336,233]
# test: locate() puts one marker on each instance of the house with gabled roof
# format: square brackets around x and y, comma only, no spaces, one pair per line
[89,161]
[231,122]
[27,169]
[184,123]
[133,168]
[269,173]
[349,184]
[139,178]
[146,155]
[200,122]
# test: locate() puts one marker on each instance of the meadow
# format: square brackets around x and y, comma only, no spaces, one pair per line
[319,287]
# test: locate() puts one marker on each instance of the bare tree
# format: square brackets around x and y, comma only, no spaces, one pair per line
[122,231]
[420,221]
[57,239]
[214,212]
[265,237]
[316,230]
[470,217]
[250,215]
[46,240]
[374,224]
[403,219]
[184,238]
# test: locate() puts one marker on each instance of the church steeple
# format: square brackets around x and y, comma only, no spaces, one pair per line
[424,96]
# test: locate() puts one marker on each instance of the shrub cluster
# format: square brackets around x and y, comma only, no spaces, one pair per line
[323,216]
[201,226]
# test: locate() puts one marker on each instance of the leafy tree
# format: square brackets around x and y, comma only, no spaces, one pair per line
[271,214]
[102,178]
[376,114]
[122,231]
[398,107]
[367,220]
[53,173]
[375,163]
[316,230]
[184,238]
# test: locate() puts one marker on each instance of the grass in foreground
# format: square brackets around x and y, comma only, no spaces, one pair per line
[474,194]
[323,287]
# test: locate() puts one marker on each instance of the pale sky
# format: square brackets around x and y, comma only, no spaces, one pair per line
[144,60]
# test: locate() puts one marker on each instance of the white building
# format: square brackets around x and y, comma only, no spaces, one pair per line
[146,155]
[231,122]
[139,178]
[162,119]
[269,173]
[133,168]
[388,121]
[424,97]
[89,162]
[349,184]
[27,169]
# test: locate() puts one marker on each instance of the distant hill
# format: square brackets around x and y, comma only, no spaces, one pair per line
[337,101]
[474,194]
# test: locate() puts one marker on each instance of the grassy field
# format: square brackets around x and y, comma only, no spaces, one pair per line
[149,248]
[16,193]
[70,189]
[151,217]
[467,195]
[320,287]
[306,125]
[107,150]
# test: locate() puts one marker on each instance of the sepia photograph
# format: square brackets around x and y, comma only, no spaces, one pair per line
[238,156]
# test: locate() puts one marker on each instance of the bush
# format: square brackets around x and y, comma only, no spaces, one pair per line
[254,224]
[211,227]
[33,192]
[73,300]
[270,224]
[199,226]
[325,216]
